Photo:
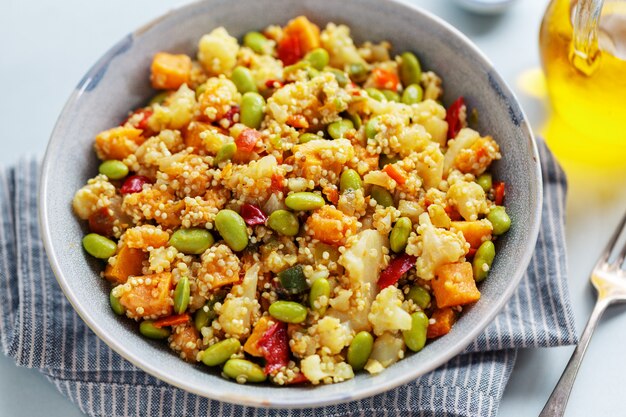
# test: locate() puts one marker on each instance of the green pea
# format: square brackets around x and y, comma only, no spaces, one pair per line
[192,241]
[220,352]
[415,337]
[99,246]
[232,228]
[318,58]
[350,180]
[386,160]
[399,236]
[304,201]
[382,196]
[291,70]
[149,330]
[113,169]
[205,315]
[181,295]
[243,80]
[288,311]
[319,295]
[338,129]
[483,258]
[293,280]
[371,127]
[257,42]
[159,98]
[357,72]
[355,119]
[200,90]
[419,295]
[308,137]
[360,350]
[225,153]
[252,109]
[375,93]
[413,94]
[116,306]
[391,95]
[500,221]
[485,181]
[410,69]
[243,371]
[340,76]
[284,222]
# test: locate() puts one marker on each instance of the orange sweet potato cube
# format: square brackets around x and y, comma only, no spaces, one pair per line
[148,296]
[169,71]
[443,319]
[118,143]
[454,285]
[257,333]
[128,263]
[308,33]
[475,232]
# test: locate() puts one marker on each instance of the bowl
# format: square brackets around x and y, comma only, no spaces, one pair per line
[119,82]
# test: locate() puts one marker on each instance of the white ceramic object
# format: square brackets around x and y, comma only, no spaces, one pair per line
[486,6]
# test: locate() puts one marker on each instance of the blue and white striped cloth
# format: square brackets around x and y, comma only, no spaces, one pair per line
[39,329]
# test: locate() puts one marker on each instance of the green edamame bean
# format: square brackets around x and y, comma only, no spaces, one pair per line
[483,260]
[288,311]
[284,222]
[340,76]
[192,241]
[252,109]
[360,350]
[375,93]
[371,127]
[419,295]
[500,221]
[415,337]
[116,306]
[226,152]
[357,72]
[257,42]
[319,295]
[293,280]
[391,95]
[318,58]
[181,295]
[381,195]
[304,201]
[220,352]
[149,330]
[99,246]
[232,228]
[159,98]
[485,181]
[243,371]
[350,180]
[386,160]
[200,89]
[113,169]
[338,129]
[399,236]
[410,69]
[205,315]
[413,94]
[355,119]
[243,80]
[308,137]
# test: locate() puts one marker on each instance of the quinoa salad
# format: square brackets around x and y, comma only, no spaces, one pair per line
[292,207]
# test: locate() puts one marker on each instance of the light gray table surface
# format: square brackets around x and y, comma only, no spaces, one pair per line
[46,47]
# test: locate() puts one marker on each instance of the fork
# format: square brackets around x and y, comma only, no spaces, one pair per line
[609,280]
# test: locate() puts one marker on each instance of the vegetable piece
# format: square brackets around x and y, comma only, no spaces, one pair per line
[252,214]
[371,127]
[192,241]
[385,79]
[288,311]
[174,320]
[289,50]
[307,33]
[275,348]
[252,342]
[304,201]
[113,169]
[243,371]
[101,222]
[118,143]
[498,193]
[319,295]
[412,94]
[500,220]
[360,350]
[293,280]
[382,196]
[391,95]
[307,137]
[128,262]
[453,117]
[232,228]
[284,222]
[148,296]
[225,153]
[410,69]
[181,295]
[340,76]
[220,352]
[330,225]
[243,80]
[252,109]
[415,337]
[169,71]
[257,42]
[350,180]
[419,295]
[474,232]
[485,181]
[454,285]
[247,140]
[397,267]
[205,315]
[442,321]
[483,259]
[116,306]
[99,246]
[338,129]
[399,235]
[149,330]
[318,58]
[376,94]
[357,72]
[134,184]
[396,173]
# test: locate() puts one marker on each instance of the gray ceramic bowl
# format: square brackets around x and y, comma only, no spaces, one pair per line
[119,82]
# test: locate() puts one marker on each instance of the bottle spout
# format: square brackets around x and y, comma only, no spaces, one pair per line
[584,51]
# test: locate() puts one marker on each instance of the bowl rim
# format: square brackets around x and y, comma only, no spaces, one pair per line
[234,396]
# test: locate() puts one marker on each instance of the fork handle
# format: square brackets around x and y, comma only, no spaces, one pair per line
[556,404]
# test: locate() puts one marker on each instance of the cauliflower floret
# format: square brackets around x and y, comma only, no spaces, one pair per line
[93,196]
[435,247]
[387,313]
[148,156]
[337,41]
[430,165]
[176,112]
[387,350]
[325,370]
[469,199]
[265,68]
[241,308]
[217,52]
[463,140]
[333,336]
[432,116]
[314,158]
[218,97]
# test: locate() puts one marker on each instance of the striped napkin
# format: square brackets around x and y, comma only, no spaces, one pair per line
[39,329]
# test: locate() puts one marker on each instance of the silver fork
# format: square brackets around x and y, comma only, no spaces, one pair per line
[609,279]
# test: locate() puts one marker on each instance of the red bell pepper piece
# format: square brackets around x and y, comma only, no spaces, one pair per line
[142,124]
[498,193]
[452,117]
[275,347]
[134,184]
[397,267]
[277,183]
[172,320]
[252,215]
[289,50]
[273,84]
[298,379]
[247,140]
[230,114]
[385,79]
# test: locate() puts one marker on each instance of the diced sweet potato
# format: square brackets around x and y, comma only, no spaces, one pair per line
[142,237]
[169,71]
[454,285]
[308,33]
[257,333]
[148,296]
[443,320]
[128,262]
[330,225]
[475,232]
[186,341]
[118,143]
